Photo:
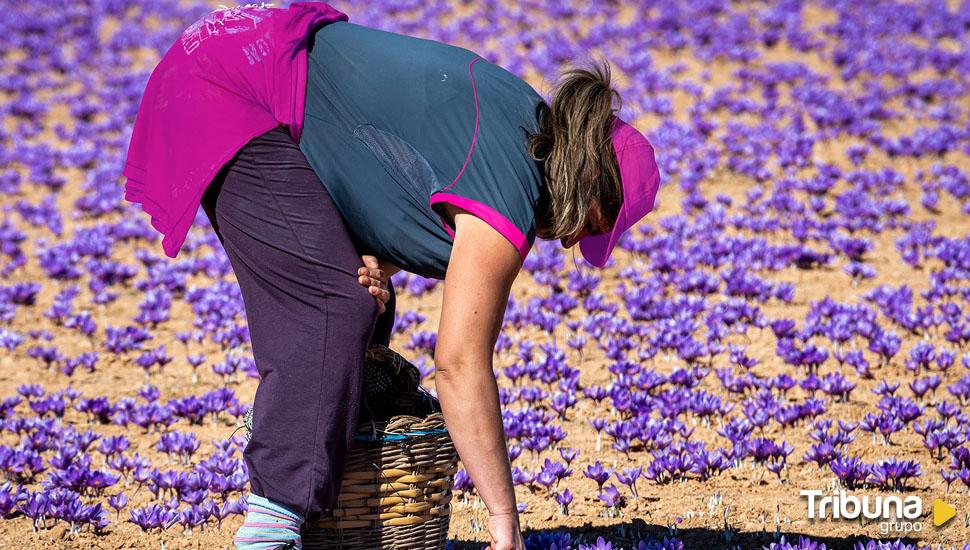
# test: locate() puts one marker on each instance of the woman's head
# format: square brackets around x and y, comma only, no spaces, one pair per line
[583,192]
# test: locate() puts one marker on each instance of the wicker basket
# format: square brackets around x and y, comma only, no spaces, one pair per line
[396,489]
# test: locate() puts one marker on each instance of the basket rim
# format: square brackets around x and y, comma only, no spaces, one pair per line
[401,436]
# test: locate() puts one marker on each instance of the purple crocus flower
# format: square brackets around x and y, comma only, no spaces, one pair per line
[598,473]
[892,473]
[153,516]
[601,544]
[629,476]
[851,471]
[569,454]
[611,496]
[564,498]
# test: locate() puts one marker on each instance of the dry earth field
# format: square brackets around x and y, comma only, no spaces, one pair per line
[749,503]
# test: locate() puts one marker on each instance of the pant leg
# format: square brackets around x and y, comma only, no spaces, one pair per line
[309,319]
[384,326]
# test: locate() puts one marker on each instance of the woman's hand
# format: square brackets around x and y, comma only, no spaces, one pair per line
[505,532]
[375,279]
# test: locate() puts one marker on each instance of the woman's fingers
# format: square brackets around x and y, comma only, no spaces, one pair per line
[374,278]
[370,281]
[381,294]
[372,268]
[377,274]
[382,297]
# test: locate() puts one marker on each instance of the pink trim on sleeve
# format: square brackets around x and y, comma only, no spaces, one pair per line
[489,215]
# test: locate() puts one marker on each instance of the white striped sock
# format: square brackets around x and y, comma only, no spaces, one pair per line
[268,526]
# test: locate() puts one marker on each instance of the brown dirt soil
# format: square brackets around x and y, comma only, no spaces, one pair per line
[750,502]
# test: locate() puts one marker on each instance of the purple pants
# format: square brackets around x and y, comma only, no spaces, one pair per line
[310,320]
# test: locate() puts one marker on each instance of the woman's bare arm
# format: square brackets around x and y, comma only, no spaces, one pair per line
[481,270]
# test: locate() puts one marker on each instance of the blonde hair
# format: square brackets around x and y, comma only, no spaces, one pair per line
[573,143]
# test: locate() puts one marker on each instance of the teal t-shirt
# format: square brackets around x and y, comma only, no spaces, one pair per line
[395,125]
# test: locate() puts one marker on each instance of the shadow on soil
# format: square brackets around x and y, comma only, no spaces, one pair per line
[626,535]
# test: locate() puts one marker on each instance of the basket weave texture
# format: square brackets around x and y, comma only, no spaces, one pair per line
[397,486]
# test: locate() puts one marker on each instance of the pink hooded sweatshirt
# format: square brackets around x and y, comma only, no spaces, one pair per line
[232,75]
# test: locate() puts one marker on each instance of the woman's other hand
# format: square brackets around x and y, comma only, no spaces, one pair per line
[505,532]
[375,279]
